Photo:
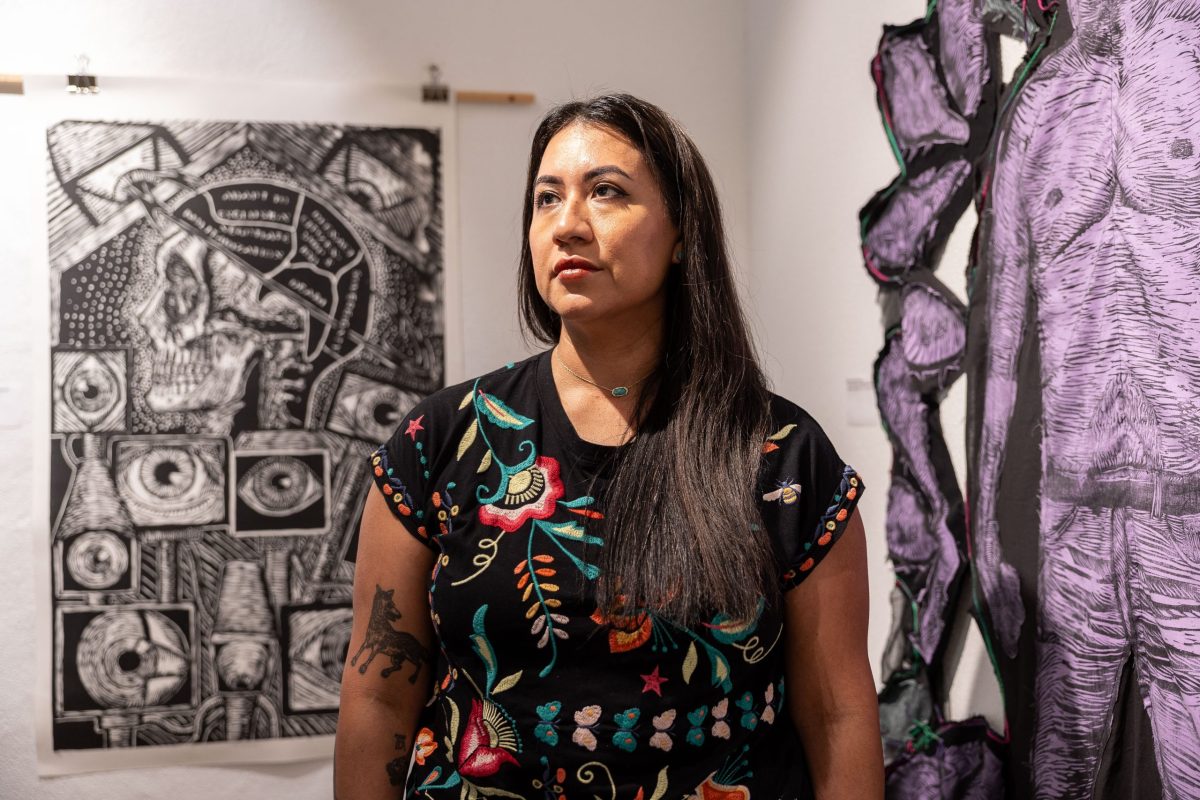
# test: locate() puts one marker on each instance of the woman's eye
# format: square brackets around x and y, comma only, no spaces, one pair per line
[543,198]
[608,190]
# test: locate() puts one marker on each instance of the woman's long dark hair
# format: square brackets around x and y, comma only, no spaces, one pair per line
[683,536]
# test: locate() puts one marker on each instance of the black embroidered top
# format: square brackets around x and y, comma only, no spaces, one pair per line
[537,694]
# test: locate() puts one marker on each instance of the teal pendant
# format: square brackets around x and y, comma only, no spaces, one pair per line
[620,391]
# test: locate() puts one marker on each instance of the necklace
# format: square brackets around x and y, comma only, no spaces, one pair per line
[615,391]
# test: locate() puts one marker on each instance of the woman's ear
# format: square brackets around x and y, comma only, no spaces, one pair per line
[677,257]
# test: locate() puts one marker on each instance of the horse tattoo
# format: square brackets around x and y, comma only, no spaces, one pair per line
[382,638]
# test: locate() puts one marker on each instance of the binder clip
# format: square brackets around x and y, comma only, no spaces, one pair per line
[435,91]
[82,83]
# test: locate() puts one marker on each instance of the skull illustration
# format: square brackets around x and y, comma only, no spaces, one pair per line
[206,322]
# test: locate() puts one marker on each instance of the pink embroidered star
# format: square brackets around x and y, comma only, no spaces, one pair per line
[653,682]
[415,425]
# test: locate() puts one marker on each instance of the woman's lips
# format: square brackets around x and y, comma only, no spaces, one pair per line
[571,269]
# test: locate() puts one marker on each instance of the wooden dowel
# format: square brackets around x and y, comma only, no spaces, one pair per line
[11,84]
[509,98]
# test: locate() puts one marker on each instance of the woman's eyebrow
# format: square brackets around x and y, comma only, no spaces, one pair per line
[590,175]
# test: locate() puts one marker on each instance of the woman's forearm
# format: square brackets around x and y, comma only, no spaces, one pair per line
[846,757]
[373,747]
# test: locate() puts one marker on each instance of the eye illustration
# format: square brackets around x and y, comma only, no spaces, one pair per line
[89,391]
[97,559]
[133,659]
[317,644]
[369,410]
[279,486]
[171,484]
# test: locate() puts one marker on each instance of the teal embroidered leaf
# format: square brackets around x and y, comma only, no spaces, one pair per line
[500,414]
[482,647]
[578,502]
[573,531]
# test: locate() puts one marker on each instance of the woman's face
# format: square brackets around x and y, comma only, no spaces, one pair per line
[601,239]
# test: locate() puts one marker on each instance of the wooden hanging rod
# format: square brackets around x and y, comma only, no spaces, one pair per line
[503,98]
[12,84]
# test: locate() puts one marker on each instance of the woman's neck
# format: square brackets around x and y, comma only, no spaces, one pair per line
[612,353]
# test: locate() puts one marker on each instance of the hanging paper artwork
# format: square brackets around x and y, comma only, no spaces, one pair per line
[1082,432]
[240,313]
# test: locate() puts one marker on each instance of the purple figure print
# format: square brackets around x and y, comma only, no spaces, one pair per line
[1091,220]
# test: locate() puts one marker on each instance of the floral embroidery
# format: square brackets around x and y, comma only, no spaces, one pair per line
[425,747]
[726,783]
[486,742]
[392,487]
[516,500]
[531,493]
[832,523]
[551,783]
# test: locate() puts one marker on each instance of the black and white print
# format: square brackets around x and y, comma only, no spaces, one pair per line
[239,313]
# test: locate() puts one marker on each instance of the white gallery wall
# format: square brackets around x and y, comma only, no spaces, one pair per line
[775,92]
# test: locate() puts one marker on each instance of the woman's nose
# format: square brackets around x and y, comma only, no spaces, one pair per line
[573,223]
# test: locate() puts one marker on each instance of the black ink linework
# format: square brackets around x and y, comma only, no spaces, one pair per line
[383,639]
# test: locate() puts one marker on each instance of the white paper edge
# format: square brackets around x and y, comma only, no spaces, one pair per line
[157,100]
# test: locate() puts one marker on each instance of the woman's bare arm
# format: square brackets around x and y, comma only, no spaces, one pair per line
[830,690]
[388,675]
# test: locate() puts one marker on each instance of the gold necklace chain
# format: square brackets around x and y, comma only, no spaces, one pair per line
[615,391]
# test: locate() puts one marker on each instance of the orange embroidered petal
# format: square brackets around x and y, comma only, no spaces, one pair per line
[546,572]
[443,528]
[622,641]
[807,565]
[424,533]
[379,471]
[426,744]
[841,515]
[387,489]
[824,540]
[769,447]
[851,494]
[585,512]
[437,500]
[405,510]
[523,581]
[544,559]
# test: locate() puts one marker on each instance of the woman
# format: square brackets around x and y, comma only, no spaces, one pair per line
[624,532]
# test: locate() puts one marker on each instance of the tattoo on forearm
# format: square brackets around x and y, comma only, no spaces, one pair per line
[383,639]
[397,768]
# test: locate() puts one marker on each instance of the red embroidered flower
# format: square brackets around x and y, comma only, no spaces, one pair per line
[711,790]
[532,493]
[479,750]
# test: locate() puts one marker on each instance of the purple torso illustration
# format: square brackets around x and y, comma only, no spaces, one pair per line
[1083,340]
[1095,199]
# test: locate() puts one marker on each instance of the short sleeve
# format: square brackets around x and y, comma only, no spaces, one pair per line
[400,468]
[808,492]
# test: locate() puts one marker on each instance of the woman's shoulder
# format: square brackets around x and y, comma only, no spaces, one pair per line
[784,413]
[438,411]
